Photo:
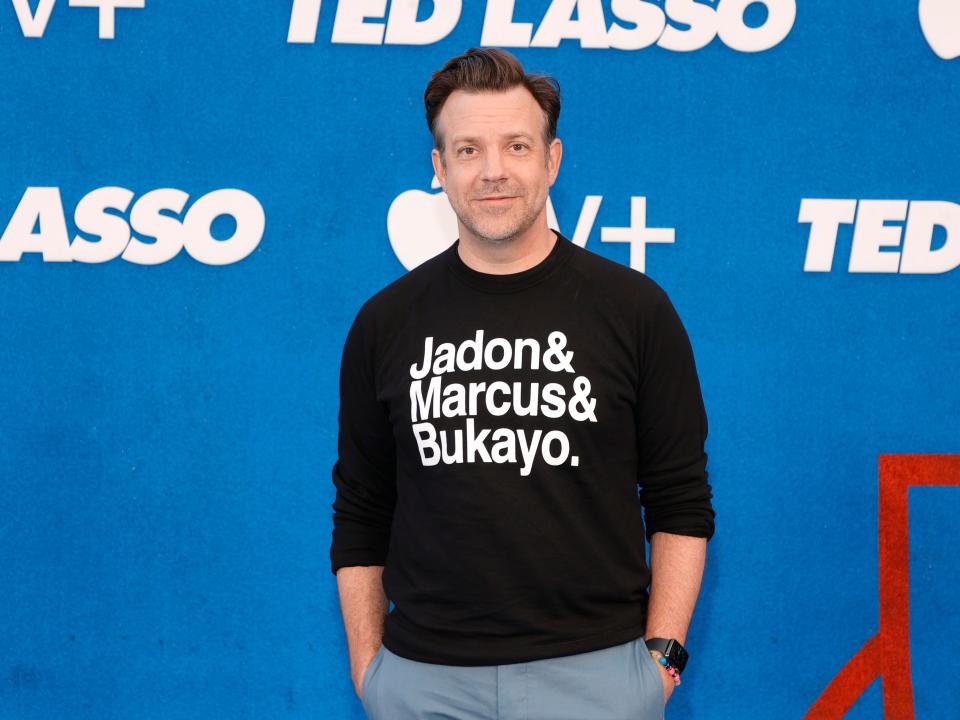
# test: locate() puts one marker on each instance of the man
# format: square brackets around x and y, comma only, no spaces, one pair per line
[500,406]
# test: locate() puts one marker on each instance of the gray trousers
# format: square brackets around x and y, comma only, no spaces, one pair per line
[617,683]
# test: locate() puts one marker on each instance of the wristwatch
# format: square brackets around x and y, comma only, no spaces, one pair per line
[673,651]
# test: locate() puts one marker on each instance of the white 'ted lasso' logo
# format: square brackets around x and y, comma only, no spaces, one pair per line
[150,230]
[679,25]
[889,236]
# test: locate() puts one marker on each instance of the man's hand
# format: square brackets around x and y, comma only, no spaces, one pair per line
[668,684]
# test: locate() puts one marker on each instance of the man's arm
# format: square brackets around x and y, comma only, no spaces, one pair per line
[364,477]
[676,567]
[364,607]
[674,491]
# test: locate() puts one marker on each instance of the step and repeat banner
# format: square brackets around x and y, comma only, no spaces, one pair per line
[196,198]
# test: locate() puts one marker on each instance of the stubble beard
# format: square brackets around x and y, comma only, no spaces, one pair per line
[487,229]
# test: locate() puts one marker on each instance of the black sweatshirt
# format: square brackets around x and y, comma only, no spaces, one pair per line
[498,437]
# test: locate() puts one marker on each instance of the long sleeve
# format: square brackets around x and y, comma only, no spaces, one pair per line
[672,429]
[365,471]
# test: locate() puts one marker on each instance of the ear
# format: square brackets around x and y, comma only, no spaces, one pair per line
[554,154]
[438,169]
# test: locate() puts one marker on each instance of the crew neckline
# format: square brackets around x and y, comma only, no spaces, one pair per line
[509,282]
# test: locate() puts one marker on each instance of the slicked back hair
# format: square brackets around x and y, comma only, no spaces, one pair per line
[492,70]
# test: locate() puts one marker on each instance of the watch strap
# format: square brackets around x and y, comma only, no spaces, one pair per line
[672,650]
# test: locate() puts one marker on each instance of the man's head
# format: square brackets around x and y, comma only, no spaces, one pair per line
[496,153]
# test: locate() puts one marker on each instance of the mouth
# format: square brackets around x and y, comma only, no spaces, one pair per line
[496,199]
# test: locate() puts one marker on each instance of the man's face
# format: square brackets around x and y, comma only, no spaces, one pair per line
[496,168]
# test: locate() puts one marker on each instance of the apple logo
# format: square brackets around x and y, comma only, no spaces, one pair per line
[422,224]
[940,22]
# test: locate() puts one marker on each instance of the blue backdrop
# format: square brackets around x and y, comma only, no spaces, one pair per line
[168,418]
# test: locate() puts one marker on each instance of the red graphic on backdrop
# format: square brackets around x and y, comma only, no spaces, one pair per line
[887,654]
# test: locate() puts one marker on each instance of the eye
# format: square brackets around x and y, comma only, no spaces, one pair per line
[468,150]
[518,147]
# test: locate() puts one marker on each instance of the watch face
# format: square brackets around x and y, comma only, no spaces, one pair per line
[672,650]
[676,655]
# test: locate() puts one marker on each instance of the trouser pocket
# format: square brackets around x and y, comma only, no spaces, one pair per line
[650,666]
[368,674]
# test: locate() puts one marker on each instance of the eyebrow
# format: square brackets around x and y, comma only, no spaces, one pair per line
[505,136]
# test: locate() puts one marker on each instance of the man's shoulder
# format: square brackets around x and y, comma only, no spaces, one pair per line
[615,278]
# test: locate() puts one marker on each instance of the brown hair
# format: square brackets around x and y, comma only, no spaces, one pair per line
[489,69]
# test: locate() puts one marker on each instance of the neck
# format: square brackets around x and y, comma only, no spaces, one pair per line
[509,256]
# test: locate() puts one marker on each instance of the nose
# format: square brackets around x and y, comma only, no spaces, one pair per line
[494,169]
